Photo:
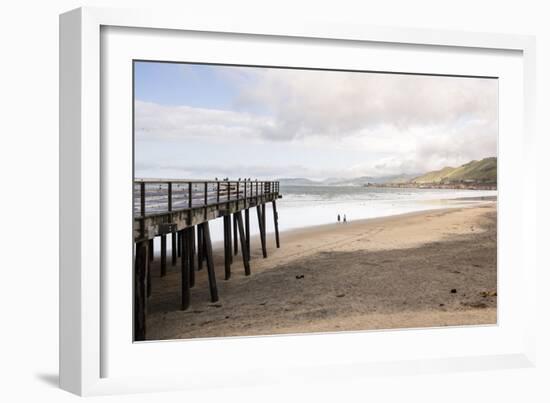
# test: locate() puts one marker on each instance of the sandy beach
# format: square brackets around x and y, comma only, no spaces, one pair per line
[431,268]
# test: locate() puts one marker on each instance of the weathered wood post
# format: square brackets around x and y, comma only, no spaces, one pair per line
[194,245]
[247,230]
[140,290]
[210,262]
[185,277]
[262,230]
[169,196]
[235,229]
[163,255]
[149,266]
[229,239]
[190,256]
[244,251]
[276,223]
[151,251]
[173,234]
[264,227]
[174,248]
[178,242]
[142,198]
[200,247]
[226,245]
[205,200]
[235,236]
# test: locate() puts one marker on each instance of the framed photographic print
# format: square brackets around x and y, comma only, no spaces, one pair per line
[268,197]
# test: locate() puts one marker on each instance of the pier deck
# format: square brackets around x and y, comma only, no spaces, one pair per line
[184,203]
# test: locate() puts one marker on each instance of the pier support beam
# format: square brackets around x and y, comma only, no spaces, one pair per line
[200,248]
[190,256]
[244,251]
[174,248]
[210,262]
[276,224]
[264,207]
[151,256]
[151,251]
[229,240]
[227,245]
[247,230]
[193,243]
[185,272]
[163,255]
[140,290]
[262,229]
[235,236]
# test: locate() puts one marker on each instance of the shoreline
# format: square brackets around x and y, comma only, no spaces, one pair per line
[491,186]
[372,220]
[381,273]
[482,200]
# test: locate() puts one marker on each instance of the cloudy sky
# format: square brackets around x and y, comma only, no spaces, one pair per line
[200,121]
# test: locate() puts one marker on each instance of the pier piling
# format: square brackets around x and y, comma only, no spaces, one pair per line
[185,273]
[174,248]
[247,230]
[262,229]
[200,249]
[193,244]
[163,255]
[190,256]
[151,250]
[210,262]
[178,242]
[229,240]
[244,251]
[140,290]
[276,223]
[235,236]
[227,245]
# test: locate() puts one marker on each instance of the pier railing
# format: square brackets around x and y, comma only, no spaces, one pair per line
[153,196]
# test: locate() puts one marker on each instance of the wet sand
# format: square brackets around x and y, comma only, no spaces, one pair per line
[431,268]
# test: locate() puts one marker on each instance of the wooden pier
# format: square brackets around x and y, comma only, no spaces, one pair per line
[181,210]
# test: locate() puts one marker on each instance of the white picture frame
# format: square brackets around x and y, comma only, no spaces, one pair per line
[88,337]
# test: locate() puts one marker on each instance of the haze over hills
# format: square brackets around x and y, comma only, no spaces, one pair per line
[359,181]
[482,172]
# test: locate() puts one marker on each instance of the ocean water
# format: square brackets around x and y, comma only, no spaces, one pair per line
[306,206]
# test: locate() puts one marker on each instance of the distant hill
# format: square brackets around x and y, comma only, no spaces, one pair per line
[348,181]
[478,174]
[358,181]
[483,171]
[297,181]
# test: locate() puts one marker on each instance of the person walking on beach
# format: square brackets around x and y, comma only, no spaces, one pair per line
[344,218]
[338,218]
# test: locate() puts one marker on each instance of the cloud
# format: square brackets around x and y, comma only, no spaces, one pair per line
[402,123]
[339,104]
[157,122]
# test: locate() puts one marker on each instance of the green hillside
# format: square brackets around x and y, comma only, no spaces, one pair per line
[483,171]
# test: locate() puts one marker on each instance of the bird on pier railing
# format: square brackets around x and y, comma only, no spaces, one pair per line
[239,179]
[216,178]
